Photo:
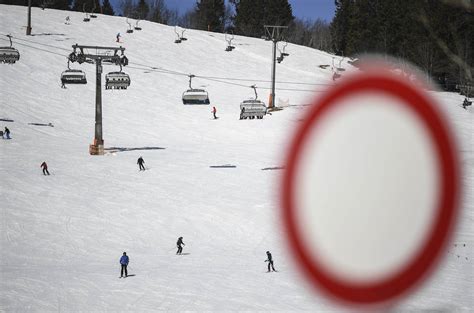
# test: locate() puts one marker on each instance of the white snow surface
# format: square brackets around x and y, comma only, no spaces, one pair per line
[62,235]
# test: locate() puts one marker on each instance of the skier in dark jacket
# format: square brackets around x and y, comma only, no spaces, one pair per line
[140,163]
[466,103]
[7,132]
[270,261]
[124,263]
[179,244]
[45,168]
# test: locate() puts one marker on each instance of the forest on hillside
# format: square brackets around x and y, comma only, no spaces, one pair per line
[435,35]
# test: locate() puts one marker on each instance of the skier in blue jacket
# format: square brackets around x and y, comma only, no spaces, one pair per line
[124,262]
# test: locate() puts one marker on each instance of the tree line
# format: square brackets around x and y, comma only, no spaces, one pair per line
[435,35]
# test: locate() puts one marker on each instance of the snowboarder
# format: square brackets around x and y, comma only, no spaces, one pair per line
[118,37]
[45,168]
[178,244]
[140,164]
[7,133]
[124,263]
[214,111]
[270,261]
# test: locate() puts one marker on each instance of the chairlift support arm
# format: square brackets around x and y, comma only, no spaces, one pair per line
[255,90]
[176,32]
[191,76]
[10,37]
[229,39]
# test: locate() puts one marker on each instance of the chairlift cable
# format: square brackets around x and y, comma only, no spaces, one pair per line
[161,69]
[22,44]
[41,44]
[224,80]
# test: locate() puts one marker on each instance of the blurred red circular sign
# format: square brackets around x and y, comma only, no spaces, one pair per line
[399,282]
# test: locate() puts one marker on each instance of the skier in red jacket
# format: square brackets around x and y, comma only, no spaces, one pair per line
[214,111]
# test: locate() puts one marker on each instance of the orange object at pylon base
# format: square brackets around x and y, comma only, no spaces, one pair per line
[96,149]
[270,102]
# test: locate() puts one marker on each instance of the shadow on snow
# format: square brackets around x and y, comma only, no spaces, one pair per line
[124,149]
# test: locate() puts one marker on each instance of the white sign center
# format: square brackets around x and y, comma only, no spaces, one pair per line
[367,187]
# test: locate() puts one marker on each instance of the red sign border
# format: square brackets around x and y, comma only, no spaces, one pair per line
[424,261]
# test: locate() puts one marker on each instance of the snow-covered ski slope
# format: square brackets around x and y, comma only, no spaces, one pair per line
[62,235]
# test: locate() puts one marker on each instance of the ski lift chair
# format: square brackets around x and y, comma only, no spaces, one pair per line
[70,76]
[92,15]
[117,80]
[339,68]
[195,96]
[86,19]
[229,47]
[130,28]
[182,36]
[253,108]
[9,54]
[136,26]
[336,70]
[283,53]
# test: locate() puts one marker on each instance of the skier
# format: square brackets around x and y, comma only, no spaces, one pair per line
[214,111]
[45,168]
[270,261]
[466,103]
[178,244]
[124,263]
[140,164]
[7,133]
[67,20]
[118,37]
